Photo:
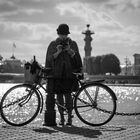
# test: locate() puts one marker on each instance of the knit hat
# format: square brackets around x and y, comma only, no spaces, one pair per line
[63,29]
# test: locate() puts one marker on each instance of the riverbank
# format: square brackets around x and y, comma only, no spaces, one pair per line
[114,80]
[117,79]
[11,78]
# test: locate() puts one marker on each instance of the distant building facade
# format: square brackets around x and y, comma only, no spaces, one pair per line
[11,65]
[136,64]
[132,70]
[129,69]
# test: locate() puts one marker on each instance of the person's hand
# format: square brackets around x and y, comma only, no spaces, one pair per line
[59,48]
[70,51]
[67,48]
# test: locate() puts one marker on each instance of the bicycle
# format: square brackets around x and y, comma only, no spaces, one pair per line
[94,102]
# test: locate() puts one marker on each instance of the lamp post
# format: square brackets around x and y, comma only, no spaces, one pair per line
[127,63]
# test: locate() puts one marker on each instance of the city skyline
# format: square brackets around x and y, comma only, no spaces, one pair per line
[32,24]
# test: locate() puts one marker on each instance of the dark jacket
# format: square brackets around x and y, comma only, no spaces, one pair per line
[73,64]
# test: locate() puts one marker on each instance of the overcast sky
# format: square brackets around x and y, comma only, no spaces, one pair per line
[32,24]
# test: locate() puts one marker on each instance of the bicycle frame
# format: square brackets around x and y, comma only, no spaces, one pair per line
[86,99]
[37,86]
[82,84]
[41,96]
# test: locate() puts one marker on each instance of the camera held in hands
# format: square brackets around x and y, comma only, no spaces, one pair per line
[64,43]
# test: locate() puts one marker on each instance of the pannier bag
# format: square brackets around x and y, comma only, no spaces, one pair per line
[31,72]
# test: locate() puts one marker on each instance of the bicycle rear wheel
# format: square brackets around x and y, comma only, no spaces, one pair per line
[95,104]
[20,105]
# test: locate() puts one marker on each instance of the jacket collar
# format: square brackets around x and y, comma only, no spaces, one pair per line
[58,40]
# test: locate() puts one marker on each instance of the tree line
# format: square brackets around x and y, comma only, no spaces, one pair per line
[103,64]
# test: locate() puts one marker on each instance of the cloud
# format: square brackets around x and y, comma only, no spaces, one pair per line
[27,10]
[87,13]
[31,39]
[32,24]
[105,26]
[7,6]
[25,31]
[110,34]
[32,11]
[122,5]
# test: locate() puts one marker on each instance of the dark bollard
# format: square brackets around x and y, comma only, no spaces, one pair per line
[50,113]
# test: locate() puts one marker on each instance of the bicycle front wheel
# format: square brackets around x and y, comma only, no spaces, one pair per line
[20,105]
[95,104]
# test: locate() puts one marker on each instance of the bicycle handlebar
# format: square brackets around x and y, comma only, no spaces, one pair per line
[46,72]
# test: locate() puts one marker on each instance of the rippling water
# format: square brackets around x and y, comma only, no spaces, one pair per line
[128,102]
[128,98]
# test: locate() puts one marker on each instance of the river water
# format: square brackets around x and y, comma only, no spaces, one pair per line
[128,102]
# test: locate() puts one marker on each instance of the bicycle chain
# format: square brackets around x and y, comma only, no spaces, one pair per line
[117,113]
[127,114]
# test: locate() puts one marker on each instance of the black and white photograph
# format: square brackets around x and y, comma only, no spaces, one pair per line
[69,69]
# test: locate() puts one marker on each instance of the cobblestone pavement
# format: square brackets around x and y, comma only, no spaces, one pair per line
[36,132]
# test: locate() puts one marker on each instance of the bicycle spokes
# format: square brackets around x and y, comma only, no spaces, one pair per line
[94,105]
[19,105]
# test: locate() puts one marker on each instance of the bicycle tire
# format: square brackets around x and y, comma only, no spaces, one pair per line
[96,113]
[15,110]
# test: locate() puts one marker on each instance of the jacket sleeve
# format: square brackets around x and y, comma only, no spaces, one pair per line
[77,58]
[49,55]
[75,47]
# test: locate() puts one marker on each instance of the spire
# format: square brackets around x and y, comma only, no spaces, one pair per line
[13,50]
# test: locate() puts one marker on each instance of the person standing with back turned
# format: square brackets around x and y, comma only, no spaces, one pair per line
[63,58]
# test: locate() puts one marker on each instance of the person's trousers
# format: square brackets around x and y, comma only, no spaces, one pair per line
[65,100]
